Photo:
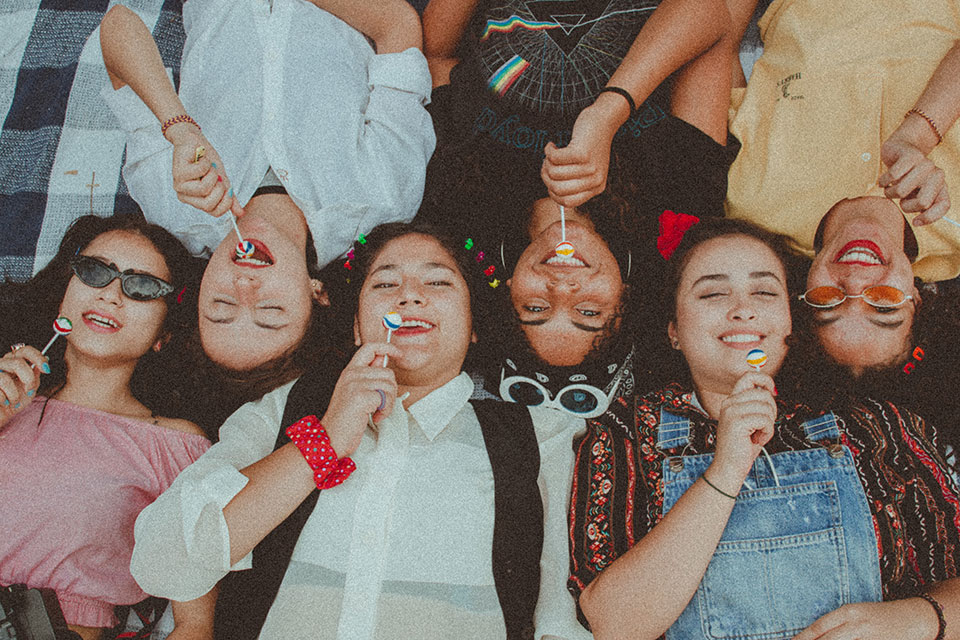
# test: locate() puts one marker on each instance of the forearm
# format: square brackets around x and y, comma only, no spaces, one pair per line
[131,57]
[277,485]
[940,101]
[393,25]
[444,22]
[947,593]
[193,620]
[680,546]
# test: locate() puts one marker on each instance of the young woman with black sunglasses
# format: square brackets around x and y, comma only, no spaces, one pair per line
[84,445]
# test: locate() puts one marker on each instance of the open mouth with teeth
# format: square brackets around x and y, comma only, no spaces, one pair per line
[413,326]
[555,260]
[100,322]
[261,256]
[860,252]
[741,340]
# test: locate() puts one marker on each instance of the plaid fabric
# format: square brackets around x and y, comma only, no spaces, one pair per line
[61,150]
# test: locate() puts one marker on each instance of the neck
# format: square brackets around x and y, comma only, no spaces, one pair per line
[104,387]
[420,389]
[711,401]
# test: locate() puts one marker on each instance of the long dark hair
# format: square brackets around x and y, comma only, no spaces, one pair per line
[30,308]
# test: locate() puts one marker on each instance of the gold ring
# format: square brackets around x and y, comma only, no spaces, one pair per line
[199,153]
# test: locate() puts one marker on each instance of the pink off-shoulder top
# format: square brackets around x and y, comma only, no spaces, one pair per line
[71,487]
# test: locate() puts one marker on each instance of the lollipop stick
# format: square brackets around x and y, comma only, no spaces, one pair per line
[563,224]
[49,344]
[953,222]
[233,219]
[386,358]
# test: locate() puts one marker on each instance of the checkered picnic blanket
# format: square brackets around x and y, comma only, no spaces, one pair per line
[61,149]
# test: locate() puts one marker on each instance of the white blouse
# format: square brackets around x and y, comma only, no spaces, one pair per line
[296,89]
[402,549]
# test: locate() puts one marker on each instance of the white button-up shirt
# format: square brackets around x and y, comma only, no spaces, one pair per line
[296,89]
[402,549]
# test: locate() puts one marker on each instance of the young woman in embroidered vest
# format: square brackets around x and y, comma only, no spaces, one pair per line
[83,446]
[403,539]
[728,511]
[292,98]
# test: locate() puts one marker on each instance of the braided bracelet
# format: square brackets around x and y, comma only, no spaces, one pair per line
[176,120]
[312,440]
[941,621]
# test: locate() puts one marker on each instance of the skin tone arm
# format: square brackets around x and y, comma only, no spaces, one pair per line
[393,25]
[691,529]
[444,22]
[678,32]
[282,480]
[193,620]
[911,176]
[131,57]
[741,11]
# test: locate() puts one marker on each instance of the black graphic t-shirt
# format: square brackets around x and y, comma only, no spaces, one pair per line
[541,62]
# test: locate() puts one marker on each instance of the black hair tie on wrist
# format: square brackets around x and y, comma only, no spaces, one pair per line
[625,94]
[941,621]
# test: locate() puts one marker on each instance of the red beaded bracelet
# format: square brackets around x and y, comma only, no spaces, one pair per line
[312,440]
[176,120]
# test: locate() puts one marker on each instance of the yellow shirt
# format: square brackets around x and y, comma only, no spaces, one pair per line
[834,81]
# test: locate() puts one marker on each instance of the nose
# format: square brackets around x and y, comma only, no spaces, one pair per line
[112,293]
[247,289]
[563,286]
[742,309]
[411,293]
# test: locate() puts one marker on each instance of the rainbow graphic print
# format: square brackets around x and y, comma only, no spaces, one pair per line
[507,74]
[515,22]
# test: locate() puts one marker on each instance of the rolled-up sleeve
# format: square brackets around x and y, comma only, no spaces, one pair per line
[182,541]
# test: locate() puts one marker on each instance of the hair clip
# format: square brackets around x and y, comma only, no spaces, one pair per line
[362,239]
[672,227]
[180,295]
[469,244]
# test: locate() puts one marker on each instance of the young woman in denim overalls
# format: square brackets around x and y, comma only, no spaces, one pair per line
[728,513]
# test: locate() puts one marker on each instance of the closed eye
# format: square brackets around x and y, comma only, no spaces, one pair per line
[440,283]
[384,285]
[715,294]
[772,294]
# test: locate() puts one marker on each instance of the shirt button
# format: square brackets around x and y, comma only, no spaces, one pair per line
[865,156]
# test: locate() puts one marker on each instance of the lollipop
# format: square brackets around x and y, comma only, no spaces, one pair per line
[244,249]
[391,322]
[756,358]
[564,249]
[61,327]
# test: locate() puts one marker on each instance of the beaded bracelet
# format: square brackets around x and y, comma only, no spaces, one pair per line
[312,440]
[933,125]
[176,120]
[941,621]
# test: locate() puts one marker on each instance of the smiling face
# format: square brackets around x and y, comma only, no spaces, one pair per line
[565,303]
[107,325]
[731,298]
[413,275]
[253,310]
[863,247]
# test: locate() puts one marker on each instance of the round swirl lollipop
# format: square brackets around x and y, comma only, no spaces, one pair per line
[756,358]
[564,249]
[61,327]
[245,249]
[391,322]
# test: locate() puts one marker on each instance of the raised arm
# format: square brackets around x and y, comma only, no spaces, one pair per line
[132,58]
[912,177]
[695,33]
[393,25]
[630,599]
[444,22]
[193,620]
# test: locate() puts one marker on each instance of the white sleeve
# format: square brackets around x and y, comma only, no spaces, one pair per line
[381,160]
[556,613]
[182,544]
[148,172]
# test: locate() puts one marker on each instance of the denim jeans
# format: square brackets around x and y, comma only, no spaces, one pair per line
[800,541]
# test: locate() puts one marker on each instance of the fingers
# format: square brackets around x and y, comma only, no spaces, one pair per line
[185,168]
[19,379]
[565,155]
[372,353]
[754,379]
[939,208]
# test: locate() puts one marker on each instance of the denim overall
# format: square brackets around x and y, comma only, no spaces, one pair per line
[799,543]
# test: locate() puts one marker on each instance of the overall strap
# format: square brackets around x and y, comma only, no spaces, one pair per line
[511,443]
[246,596]
[822,428]
[673,430]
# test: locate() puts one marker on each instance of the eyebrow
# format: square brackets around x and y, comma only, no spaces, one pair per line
[537,323]
[754,275]
[429,265]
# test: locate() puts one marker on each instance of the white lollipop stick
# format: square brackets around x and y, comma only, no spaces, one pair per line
[61,327]
[391,321]
[563,224]
[953,222]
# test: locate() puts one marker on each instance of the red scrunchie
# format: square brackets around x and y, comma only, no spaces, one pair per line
[672,227]
[313,442]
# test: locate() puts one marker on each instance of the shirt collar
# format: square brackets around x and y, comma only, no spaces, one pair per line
[434,411]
